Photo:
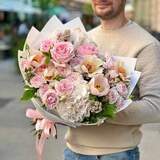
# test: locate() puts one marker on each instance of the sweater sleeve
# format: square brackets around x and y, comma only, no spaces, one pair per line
[147,108]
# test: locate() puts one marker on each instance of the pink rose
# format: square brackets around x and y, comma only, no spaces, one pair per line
[113,96]
[62,52]
[37,81]
[75,76]
[46,45]
[76,61]
[26,64]
[87,49]
[43,89]
[122,89]
[50,99]
[99,85]
[64,87]
[64,71]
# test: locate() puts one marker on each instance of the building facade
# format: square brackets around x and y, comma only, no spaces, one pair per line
[147,13]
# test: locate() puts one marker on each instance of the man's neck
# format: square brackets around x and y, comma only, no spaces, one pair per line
[114,23]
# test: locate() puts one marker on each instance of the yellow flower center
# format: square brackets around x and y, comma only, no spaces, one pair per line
[99,87]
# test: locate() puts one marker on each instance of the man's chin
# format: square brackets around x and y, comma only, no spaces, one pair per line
[104,15]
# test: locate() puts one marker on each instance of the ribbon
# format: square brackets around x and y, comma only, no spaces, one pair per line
[45,129]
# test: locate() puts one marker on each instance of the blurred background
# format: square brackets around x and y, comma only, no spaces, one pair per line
[16,18]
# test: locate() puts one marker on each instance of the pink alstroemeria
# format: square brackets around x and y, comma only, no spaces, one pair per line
[113,96]
[113,74]
[37,81]
[99,85]
[37,60]
[122,89]
[43,89]
[46,45]
[62,52]
[109,62]
[26,64]
[40,69]
[50,73]
[87,49]
[64,87]
[120,102]
[50,99]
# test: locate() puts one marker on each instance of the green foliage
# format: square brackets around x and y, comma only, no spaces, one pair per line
[29,93]
[45,4]
[17,44]
[87,9]
[58,78]
[93,97]
[48,57]
[109,111]
[28,74]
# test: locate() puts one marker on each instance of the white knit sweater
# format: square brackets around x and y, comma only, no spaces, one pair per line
[123,133]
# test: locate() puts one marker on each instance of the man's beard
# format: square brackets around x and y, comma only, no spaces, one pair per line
[112,13]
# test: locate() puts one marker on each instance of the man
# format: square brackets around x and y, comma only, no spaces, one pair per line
[118,139]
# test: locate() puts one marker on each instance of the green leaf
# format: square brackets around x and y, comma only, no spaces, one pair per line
[93,97]
[48,57]
[132,97]
[58,78]
[26,87]
[109,110]
[28,94]
[29,75]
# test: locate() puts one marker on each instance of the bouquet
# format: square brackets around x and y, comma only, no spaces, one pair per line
[69,80]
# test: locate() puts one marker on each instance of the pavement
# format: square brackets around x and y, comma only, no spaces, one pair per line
[16,137]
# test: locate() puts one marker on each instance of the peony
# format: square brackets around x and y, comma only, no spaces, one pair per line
[50,99]
[46,45]
[122,89]
[64,87]
[99,85]
[37,81]
[91,65]
[113,96]
[62,52]
[87,49]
